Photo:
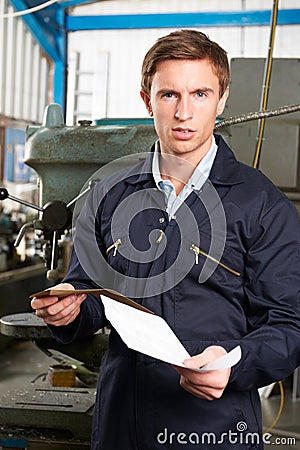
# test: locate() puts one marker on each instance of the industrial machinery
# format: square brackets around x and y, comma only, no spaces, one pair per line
[64,159]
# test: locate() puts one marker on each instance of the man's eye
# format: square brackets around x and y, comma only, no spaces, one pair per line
[169,95]
[200,94]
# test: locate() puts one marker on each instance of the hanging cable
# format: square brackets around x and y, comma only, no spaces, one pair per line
[266,84]
[28,11]
[280,383]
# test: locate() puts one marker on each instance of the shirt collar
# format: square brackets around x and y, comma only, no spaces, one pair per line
[200,173]
[226,170]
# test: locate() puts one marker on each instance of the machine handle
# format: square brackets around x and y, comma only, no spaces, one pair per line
[4,195]
[22,232]
[90,186]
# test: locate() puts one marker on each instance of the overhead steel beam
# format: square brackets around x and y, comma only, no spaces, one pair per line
[69,3]
[177,20]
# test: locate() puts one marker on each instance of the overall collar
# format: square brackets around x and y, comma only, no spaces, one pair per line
[226,170]
[145,175]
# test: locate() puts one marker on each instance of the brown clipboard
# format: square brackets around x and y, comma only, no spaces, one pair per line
[61,293]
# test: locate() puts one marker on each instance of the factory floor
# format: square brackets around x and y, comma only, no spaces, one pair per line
[54,425]
[22,362]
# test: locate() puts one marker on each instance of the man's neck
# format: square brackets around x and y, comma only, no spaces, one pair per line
[177,170]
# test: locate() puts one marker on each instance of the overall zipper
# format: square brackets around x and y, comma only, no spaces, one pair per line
[159,239]
[198,252]
[114,246]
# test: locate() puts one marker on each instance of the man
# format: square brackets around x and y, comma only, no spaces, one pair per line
[221,266]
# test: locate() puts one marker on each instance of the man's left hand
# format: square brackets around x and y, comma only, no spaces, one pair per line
[208,385]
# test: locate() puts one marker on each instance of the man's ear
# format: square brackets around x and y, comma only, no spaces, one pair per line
[222,102]
[146,100]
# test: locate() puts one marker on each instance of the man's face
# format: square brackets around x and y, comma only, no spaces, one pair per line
[185,102]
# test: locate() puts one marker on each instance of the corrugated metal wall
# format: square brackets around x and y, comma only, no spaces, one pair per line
[125,49]
[24,70]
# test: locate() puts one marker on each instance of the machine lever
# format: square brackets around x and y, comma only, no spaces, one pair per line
[53,274]
[22,232]
[90,186]
[4,195]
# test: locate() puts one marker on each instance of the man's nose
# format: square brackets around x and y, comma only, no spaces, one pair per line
[184,109]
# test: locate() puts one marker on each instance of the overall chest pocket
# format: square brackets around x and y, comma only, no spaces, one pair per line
[118,262]
[225,263]
[116,254]
[227,269]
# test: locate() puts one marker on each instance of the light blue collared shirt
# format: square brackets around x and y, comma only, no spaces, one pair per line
[196,181]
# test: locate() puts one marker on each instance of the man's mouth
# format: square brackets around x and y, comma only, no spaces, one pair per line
[184,130]
[183,133]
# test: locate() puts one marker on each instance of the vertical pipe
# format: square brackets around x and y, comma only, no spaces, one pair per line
[266,85]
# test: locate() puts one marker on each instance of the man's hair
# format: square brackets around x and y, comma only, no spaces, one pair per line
[186,44]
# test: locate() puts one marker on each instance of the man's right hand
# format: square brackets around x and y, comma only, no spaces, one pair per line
[58,312]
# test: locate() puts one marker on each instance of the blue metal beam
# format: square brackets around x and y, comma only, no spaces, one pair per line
[69,3]
[59,83]
[59,79]
[178,20]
